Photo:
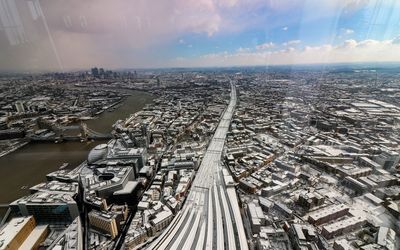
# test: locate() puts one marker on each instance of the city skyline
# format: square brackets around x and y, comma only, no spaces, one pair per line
[47,35]
[201,159]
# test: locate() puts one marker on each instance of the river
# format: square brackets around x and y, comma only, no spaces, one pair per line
[29,165]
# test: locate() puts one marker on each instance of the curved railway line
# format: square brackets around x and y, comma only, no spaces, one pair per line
[210,217]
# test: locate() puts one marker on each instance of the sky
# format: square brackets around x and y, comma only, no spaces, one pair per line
[59,35]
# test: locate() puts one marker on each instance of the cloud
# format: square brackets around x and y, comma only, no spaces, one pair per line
[347,52]
[292,42]
[348,44]
[370,43]
[265,46]
[345,33]
[396,40]
[227,3]
[241,50]
[122,33]
[348,31]
[285,28]
[114,33]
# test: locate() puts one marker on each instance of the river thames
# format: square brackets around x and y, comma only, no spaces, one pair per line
[29,165]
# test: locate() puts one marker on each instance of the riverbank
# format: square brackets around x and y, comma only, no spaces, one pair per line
[13,147]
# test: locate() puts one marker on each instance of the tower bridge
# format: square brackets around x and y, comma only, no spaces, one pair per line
[63,133]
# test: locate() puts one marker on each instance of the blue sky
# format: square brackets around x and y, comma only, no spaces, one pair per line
[376,20]
[331,32]
[185,33]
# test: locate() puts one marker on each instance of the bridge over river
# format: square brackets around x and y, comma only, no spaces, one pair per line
[62,133]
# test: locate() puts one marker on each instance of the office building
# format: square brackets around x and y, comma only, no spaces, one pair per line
[161,220]
[19,106]
[105,222]
[47,208]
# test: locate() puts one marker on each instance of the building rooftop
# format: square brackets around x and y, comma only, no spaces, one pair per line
[162,216]
[56,187]
[44,197]
[12,229]
[343,224]
[324,212]
[33,237]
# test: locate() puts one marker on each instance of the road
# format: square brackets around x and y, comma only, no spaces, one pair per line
[210,217]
